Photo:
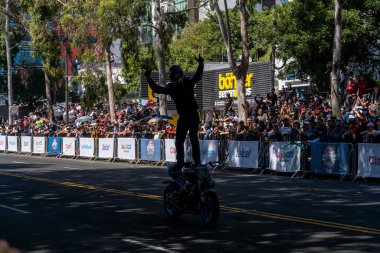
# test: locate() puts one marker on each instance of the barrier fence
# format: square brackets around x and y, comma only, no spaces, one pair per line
[361,160]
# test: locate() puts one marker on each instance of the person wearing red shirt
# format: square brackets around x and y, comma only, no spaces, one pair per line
[362,85]
[352,87]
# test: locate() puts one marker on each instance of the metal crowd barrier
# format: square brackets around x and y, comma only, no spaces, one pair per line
[342,159]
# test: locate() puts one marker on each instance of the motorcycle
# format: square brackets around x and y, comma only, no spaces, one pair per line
[192,191]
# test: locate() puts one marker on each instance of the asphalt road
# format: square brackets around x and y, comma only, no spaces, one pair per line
[63,205]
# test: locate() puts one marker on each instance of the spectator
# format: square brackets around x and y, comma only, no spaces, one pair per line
[228,108]
[370,135]
[241,131]
[362,85]
[272,97]
[352,133]
[351,87]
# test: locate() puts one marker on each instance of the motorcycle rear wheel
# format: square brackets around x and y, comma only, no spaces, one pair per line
[209,208]
[172,195]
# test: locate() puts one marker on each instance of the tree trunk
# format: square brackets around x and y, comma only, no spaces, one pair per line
[336,60]
[9,63]
[273,54]
[239,71]
[160,53]
[49,100]
[111,91]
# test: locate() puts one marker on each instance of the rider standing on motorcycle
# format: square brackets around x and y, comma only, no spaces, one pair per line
[181,90]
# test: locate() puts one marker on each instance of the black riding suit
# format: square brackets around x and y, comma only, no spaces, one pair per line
[182,93]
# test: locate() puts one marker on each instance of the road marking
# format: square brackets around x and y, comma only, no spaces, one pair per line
[274,216]
[19,162]
[14,209]
[71,168]
[149,246]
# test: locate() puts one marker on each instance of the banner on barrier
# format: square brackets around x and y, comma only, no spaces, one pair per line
[86,147]
[330,158]
[209,151]
[126,148]
[150,150]
[54,145]
[26,144]
[243,154]
[3,141]
[284,158]
[12,144]
[39,145]
[369,160]
[106,147]
[170,150]
[68,146]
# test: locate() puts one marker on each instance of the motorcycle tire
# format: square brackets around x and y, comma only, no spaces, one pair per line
[172,195]
[209,208]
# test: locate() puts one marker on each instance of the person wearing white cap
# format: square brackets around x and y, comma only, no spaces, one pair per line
[370,134]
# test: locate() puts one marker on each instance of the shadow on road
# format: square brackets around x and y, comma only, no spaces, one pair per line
[75,219]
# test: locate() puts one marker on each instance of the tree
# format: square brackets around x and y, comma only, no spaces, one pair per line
[142,57]
[9,61]
[92,78]
[336,60]
[45,43]
[107,20]
[240,71]
[307,39]
[197,38]
[160,45]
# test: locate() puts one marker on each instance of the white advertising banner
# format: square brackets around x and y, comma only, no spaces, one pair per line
[243,154]
[39,144]
[170,150]
[86,147]
[126,148]
[68,146]
[369,160]
[12,144]
[283,157]
[3,142]
[209,151]
[26,144]
[106,147]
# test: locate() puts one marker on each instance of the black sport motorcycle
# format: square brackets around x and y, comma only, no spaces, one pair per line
[192,191]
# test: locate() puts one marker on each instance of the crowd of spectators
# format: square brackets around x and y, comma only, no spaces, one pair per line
[285,115]
[288,115]
[132,120]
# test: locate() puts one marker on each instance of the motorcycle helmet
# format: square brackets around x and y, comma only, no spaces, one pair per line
[175,73]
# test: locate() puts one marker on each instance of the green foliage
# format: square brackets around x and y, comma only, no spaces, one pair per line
[105,20]
[93,80]
[45,37]
[308,39]
[133,63]
[196,39]
[205,38]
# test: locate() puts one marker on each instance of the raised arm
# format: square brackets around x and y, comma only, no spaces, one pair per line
[153,85]
[198,75]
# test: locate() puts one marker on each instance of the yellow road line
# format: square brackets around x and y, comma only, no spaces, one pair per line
[274,216]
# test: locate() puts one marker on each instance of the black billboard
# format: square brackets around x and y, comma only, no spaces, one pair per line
[211,90]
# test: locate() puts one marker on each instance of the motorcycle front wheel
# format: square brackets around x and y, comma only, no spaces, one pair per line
[209,208]
[172,195]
